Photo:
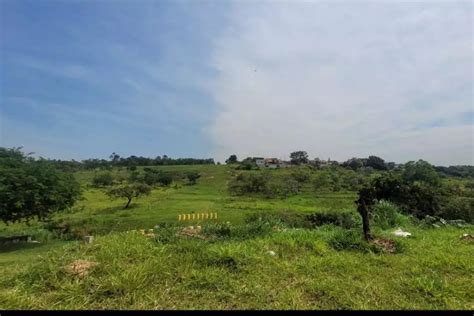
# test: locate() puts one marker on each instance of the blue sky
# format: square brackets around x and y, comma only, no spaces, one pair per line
[82,79]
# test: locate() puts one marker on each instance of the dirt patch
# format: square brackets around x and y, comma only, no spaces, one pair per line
[386,244]
[80,268]
[467,237]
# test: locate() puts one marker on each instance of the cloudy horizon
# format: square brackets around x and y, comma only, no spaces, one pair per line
[252,78]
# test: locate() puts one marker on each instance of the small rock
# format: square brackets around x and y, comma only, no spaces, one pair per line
[271,253]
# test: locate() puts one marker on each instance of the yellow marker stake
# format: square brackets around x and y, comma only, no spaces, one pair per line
[215,215]
[202,215]
[179,217]
[207,215]
[189,216]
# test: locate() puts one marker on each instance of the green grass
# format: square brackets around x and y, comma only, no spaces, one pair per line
[432,270]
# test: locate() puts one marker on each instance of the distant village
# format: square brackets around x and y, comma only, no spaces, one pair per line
[301,158]
[278,163]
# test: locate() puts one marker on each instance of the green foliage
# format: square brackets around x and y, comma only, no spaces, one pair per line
[33,188]
[290,219]
[342,219]
[153,177]
[420,171]
[376,162]
[129,191]
[349,240]
[301,175]
[103,179]
[192,176]
[322,181]
[299,157]
[240,232]
[454,207]
[245,183]
[385,215]
[232,159]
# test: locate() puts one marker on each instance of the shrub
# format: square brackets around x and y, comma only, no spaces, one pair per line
[249,183]
[291,219]
[457,208]
[342,219]
[349,240]
[301,176]
[385,214]
[103,179]
[165,178]
[246,231]
[192,176]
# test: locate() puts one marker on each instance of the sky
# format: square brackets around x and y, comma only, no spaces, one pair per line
[338,79]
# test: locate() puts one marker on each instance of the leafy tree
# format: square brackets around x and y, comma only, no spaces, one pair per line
[103,179]
[376,162]
[115,158]
[299,157]
[420,171]
[129,191]
[231,159]
[249,183]
[192,176]
[354,163]
[33,188]
[165,178]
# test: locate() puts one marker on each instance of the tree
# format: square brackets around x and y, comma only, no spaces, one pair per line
[231,159]
[32,188]
[103,179]
[420,171]
[193,176]
[388,187]
[299,157]
[376,162]
[129,191]
[115,158]
[354,163]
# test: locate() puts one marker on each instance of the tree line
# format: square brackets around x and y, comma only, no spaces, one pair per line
[131,162]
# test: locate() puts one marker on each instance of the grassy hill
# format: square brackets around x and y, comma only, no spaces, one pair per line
[234,264]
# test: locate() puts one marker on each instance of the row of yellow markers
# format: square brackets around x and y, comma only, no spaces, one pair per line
[185,217]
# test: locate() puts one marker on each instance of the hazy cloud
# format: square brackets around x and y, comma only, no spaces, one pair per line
[346,79]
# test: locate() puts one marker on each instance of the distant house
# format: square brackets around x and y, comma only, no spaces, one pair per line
[260,162]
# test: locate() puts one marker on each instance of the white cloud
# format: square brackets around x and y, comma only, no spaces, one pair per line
[345,79]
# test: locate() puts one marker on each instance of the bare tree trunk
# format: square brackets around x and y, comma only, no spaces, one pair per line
[128,203]
[364,212]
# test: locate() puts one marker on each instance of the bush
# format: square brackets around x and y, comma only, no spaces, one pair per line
[349,240]
[342,219]
[290,219]
[103,179]
[301,176]
[245,183]
[246,231]
[457,208]
[385,215]
[192,177]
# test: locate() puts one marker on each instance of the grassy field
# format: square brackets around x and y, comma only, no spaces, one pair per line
[274,267]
